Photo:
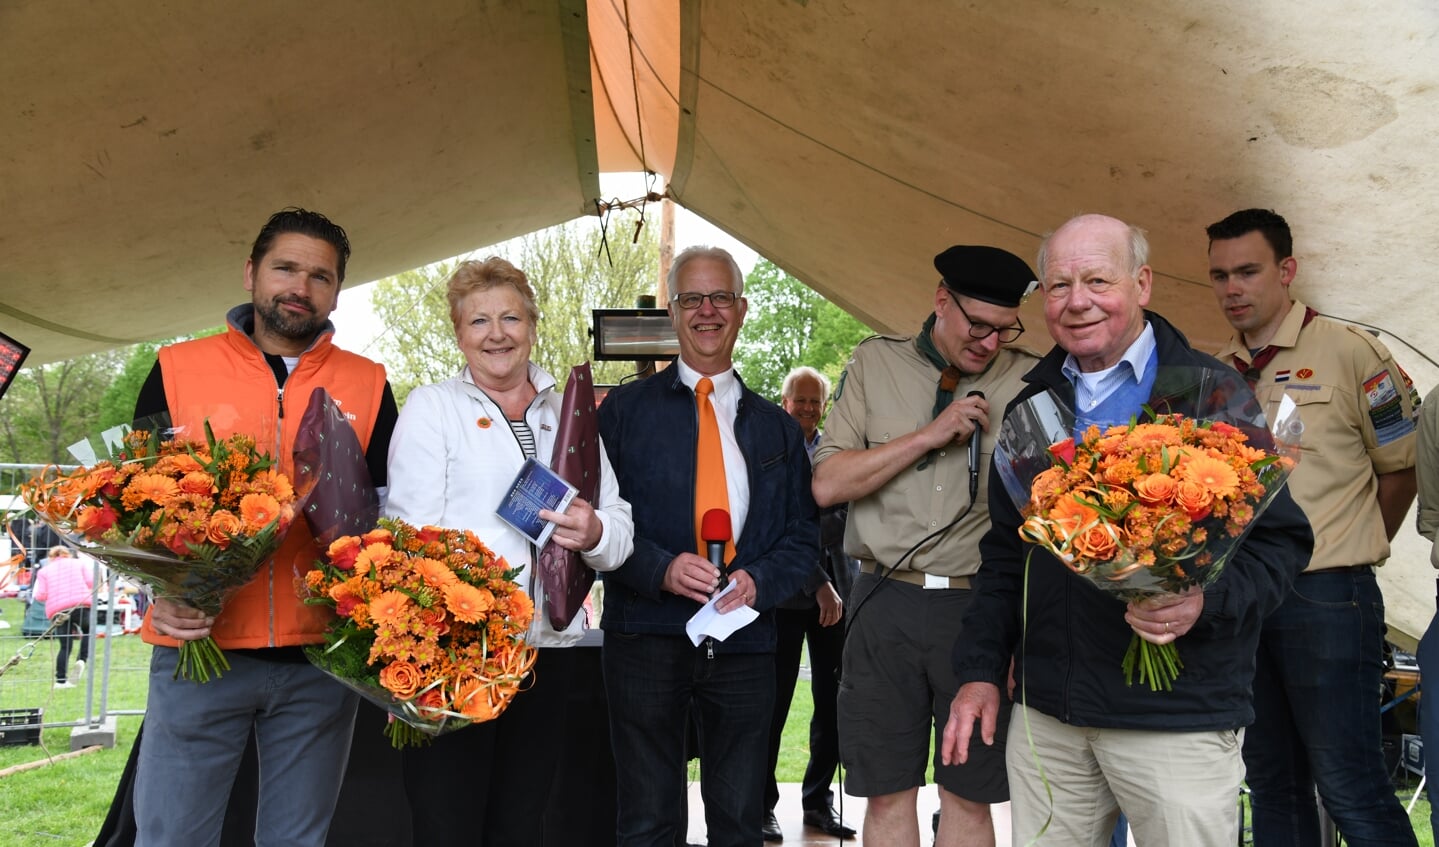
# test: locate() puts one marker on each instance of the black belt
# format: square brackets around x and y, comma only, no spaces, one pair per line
[1346,569]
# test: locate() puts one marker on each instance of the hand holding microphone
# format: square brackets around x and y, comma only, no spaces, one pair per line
[716,532]
[690,576]
[974,452]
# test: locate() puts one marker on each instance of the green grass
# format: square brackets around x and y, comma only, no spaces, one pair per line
[63,804]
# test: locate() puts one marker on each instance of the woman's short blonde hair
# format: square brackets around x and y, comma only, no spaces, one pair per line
[58,552]
[473,275]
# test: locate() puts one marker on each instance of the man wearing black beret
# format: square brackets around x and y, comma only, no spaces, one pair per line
[897,446]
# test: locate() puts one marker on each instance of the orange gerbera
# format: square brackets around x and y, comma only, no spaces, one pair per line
[389,607]
[178,464]
[1217,477]
[1154,435]
[433,572]
[472,700]
[271,481]
[154,488]
[1070,514]
[468,603]
[373,556]
[258,511]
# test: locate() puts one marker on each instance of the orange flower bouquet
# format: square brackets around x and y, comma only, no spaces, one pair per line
[193,519]
[428,626]
[1151,506]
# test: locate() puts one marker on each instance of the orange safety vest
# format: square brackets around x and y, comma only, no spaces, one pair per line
[225,379]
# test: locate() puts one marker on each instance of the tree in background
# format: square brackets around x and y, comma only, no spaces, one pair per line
[570,276]
[49,407]
[117,405]
[790,324]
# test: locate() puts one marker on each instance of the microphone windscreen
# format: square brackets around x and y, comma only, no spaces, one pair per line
[714,525]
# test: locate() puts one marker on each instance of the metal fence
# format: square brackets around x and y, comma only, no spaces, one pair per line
[113,679]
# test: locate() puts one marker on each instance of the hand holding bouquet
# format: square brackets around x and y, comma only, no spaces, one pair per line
[1154,506]
[428,626]
[195,520]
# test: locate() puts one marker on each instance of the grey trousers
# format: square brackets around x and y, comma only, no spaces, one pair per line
[196,733]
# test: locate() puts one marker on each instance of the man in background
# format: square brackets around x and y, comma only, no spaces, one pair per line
[813,615]
[1321,654]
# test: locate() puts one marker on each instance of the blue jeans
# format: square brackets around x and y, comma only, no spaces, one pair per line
[1429,714]
[1316,705]
[653,683]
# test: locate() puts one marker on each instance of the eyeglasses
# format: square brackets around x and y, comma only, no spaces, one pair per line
[983,330]
[692,299]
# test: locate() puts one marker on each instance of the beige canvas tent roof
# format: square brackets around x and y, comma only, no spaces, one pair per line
[141,144]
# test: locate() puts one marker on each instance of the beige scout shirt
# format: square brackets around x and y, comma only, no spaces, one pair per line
[1428,471]
[1357,408]
[887,391]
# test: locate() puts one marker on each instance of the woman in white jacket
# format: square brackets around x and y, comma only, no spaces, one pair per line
[456,447]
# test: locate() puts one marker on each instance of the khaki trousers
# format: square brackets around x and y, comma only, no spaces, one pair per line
[1177,788]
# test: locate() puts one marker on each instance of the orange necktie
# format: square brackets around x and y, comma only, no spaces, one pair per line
[711,491]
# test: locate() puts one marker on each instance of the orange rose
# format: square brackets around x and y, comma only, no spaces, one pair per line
[430,703]
[1098,543]
[1063,451]
[93,521]
[343,552]
[378,535]
[197,482]
[522,610]
[223,525]
[401,679]
[1194,498]
[1157,489]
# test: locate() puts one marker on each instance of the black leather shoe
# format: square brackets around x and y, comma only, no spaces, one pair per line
[826,821]
[771,830]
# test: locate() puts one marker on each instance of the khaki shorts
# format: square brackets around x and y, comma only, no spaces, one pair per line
[895,692]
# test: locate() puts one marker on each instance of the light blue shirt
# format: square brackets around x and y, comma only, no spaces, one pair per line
[1091,389]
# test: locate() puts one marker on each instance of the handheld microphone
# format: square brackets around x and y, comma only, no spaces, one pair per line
[715,530]
[974,453]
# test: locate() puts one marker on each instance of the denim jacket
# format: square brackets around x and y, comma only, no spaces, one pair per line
[649,429]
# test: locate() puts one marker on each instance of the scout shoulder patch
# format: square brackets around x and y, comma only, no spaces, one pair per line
[1386,408]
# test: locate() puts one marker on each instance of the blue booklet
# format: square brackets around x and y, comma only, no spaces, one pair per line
[535,487]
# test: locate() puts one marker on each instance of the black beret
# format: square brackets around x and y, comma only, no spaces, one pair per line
[985,273]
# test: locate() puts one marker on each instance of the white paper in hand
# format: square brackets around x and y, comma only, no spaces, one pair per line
[719,626]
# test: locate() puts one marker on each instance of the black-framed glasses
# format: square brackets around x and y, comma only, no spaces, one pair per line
[984,330]
[692,299]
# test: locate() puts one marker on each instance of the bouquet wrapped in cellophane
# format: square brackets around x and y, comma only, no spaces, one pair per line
[428,626]
[1155,505]
[195,519]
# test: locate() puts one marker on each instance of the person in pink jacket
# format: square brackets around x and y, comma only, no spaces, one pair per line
[65,585]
